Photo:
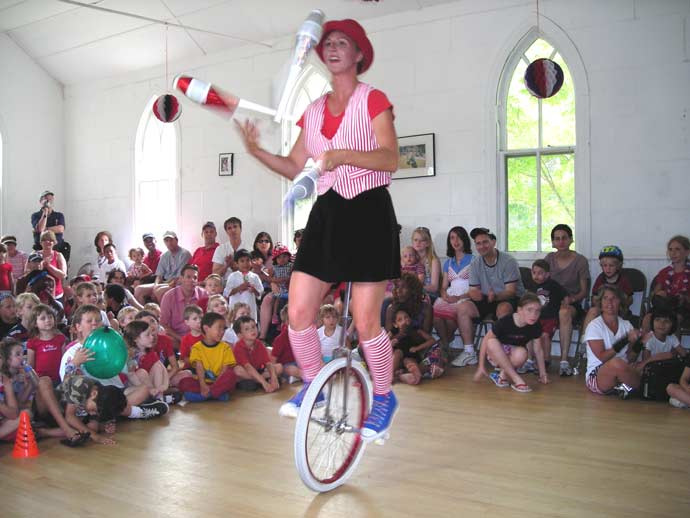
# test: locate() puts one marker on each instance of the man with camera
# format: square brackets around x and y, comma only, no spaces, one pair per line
[48,219]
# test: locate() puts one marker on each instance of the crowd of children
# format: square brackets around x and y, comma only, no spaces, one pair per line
[43,351]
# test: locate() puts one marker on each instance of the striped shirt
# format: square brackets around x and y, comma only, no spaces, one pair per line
[355,132]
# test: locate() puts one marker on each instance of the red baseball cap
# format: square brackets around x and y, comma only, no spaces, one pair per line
[356,33]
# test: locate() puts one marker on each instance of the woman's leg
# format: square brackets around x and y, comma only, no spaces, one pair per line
[306,293]
[565,329]
[616,371]
[265,315]
[676,391]
[367,298]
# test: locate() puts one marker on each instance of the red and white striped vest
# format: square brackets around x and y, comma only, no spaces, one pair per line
[356,132]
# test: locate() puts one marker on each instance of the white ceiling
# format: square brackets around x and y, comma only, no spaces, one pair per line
[75,44]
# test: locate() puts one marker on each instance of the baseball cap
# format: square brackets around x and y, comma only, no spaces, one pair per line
[148,235]
[209,224]
[8,240]
[35,257]
[481,230]
[46,193]
[169,233]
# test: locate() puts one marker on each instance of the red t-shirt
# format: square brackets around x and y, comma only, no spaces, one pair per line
[257,357]
[48,354]
[674,283]
[203,259]
[152,262]
[164,348]
[376,104]
[186,344]
[5,277]
[622,283]
[148,360]
[282,350]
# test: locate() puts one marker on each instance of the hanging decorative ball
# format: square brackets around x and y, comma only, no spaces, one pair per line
[167,108]
[543,78]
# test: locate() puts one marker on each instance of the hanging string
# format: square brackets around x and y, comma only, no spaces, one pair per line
[166,54]
[538,28]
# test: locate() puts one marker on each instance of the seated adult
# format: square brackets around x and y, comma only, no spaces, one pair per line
[203,256]
[570,270]
[187,292]
[153,255]
[671,291]
[495,289]
[15,257]
[168,271]
[609,339]
[455,284]
[53,261]
[102,238]
[223,257]
[47,219]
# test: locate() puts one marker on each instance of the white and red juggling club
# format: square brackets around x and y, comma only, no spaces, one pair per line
[308,36]
[212,97]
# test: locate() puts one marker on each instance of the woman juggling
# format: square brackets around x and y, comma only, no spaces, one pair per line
[350,131]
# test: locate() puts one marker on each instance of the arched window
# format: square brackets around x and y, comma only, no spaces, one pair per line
[156,174]
[312,84]
[537,153]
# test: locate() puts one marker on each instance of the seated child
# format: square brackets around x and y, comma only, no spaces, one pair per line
[505,345]
[46,344]
[253,363]
[214,364]
[218,304]
[611,262]
[243,285]
[192,318]
[163,346]
[550,294]
[213,285]
[281,352]
[86,319]
[126,315]
[680,392]
[25,302]
[279,274]
[144,366]
[138,269]
[409,347]
[410,262]
[240,309]
[329,331]
[9,409]
[23,378]
[87,293]
[661,343]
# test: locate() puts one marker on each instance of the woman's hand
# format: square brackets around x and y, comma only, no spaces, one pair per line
[250,135]
[633,335]
[332,159]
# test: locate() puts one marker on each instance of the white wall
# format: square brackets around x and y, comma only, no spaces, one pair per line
[31,123]
[439,67]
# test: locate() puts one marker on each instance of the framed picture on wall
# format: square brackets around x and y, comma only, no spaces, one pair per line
[225,164]
[417,156]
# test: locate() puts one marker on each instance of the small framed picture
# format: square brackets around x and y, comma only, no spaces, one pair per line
[225,164]
[417,156]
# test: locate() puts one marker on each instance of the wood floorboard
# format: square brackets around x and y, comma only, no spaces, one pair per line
[457,448]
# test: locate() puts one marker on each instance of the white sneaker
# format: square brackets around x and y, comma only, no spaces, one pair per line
[565,369]
[677,403]
[526,367]
[464,359]
[456,344]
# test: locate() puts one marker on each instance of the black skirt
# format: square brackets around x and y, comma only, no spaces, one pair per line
[354,240]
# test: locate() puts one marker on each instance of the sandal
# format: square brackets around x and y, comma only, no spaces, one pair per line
[78,439]
[522,388]
[496,378]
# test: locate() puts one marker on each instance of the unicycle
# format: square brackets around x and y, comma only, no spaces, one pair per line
[328,445]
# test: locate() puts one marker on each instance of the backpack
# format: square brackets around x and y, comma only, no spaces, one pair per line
[657,375]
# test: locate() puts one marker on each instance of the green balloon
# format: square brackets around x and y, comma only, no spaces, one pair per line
[110,353]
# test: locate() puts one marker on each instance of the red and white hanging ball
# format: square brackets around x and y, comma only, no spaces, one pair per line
[543,78]
[167,108]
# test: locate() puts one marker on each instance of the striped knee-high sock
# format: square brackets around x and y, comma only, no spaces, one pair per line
[307,350]
[379,355]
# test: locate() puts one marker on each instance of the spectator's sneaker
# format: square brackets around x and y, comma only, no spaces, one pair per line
[465,358]
[173,398]
[624,391]
[565,369]
[527,367]
[153,409]
[225,396]
[677,403]
[499,382]
[380,418]
[291,407]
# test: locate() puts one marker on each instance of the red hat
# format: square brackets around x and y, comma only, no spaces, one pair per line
[280,250]
[356,33]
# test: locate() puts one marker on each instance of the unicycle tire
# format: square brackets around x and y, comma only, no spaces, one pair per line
[325,454]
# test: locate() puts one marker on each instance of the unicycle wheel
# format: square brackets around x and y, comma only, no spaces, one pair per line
[328,445]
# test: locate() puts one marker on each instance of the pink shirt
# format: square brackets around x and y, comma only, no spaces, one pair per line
[18,263]
[173,304]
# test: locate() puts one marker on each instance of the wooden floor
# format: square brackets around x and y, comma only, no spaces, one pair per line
[457,449]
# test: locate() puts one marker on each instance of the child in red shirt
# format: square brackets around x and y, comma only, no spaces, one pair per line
[45,345]
[6,280]
[281,352]
[253,363]
[145,367]
[192,318]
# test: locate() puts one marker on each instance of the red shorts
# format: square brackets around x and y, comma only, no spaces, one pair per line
[549,326]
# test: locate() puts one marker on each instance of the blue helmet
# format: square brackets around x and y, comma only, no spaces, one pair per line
[611,251]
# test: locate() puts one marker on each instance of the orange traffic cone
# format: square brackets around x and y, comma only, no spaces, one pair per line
[25,443]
